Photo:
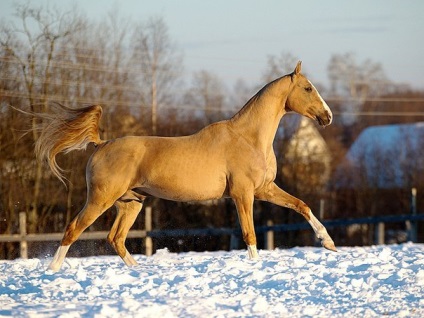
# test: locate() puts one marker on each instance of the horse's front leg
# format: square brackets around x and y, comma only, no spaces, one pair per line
[278,196]
[244,205]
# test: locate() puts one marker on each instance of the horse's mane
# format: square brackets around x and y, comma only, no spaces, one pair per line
[264,90]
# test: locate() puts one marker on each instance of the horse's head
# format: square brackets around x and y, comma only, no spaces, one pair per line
[304,99]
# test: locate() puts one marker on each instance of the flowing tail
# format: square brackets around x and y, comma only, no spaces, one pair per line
[68,130]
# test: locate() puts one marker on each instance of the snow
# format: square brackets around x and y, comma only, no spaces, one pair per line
[386,280]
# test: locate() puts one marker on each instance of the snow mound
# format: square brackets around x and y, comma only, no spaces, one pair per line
[300,282]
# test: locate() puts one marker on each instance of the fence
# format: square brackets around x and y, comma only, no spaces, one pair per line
[268,231]
[23,237]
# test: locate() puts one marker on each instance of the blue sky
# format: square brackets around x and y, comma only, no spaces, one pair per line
[233,39]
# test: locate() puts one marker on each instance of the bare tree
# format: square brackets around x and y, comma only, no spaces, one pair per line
[356,80]
[207,94]
[30,48]
[240,94]
[279,66]
[160,65]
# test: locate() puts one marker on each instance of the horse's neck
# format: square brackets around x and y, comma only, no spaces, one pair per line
[258,120]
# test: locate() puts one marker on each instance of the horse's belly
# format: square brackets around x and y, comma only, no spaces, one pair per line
[183,196]
[186,187]
[182,169]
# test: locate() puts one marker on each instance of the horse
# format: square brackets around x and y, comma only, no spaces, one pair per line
[233,158]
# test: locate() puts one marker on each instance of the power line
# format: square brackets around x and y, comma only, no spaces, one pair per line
[134,88]
[374,113]
[87,66]
[375,99]
[164,107]
[83,84]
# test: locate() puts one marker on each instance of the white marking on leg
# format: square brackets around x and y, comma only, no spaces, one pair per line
[59,257]
[253,252]
[321,232]
[318,228]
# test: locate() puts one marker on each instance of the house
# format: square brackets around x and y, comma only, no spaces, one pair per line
[302,152]
[384,157]
[376,178]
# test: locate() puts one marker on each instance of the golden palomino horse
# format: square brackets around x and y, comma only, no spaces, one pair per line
[232,158]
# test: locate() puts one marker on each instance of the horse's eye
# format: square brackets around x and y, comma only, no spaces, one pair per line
[308,89]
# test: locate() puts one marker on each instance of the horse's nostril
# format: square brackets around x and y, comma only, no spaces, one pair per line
[325,118]
[329,117]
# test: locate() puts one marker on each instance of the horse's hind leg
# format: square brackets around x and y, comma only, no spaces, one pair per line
[277,196]
[84,219]
[127,212]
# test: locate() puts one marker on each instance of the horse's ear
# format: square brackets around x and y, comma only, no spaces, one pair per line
[298,68]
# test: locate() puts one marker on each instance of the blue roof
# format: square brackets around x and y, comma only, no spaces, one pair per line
[390,156]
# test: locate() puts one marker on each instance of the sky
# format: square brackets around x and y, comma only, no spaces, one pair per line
[233,39]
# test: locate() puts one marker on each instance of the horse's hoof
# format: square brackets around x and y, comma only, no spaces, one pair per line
[329,245]
[54,268]
[253,252]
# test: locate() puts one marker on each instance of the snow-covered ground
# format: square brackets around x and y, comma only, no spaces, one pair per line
[300,282]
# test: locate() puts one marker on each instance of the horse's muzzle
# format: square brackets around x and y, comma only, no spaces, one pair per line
[325,118]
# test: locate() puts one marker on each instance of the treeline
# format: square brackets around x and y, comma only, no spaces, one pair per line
[135,71]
